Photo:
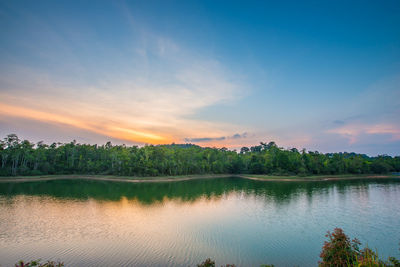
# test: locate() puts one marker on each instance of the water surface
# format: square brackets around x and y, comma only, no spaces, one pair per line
[231,220]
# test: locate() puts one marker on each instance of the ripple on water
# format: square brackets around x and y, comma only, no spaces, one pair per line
[233,221]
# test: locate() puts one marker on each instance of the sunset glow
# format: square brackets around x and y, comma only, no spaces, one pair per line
[134,79]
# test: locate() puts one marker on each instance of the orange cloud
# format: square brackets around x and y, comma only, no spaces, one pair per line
[137,106]
[118,132]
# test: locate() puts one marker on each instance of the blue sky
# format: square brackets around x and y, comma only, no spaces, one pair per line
[324,75]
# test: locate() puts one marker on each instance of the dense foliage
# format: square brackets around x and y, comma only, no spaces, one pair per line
[21,157]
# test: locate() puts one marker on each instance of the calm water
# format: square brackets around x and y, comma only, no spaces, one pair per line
[232,220]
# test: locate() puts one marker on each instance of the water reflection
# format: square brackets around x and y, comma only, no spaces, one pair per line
[148,193]
[233,220]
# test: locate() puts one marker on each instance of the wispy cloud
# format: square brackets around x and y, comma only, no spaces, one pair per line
[372,119]
[353,131]
[204,139]
[238,136]
[215,139]
[144,107]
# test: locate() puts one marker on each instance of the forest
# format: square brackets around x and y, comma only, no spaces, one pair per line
[22,157]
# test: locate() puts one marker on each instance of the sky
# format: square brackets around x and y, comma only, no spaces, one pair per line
[320,75]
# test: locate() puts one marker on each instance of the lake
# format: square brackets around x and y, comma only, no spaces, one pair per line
[231,220]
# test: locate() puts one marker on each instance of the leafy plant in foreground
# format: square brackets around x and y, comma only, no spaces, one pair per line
[210,263]
[340,251]
[36,263]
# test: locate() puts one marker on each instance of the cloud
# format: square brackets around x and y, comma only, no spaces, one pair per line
[238,136]
[145,105]
[354,131]
[112,130]
[372,118]
[204,139]
[211,139]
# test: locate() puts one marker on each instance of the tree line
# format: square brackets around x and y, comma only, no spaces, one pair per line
[22,157]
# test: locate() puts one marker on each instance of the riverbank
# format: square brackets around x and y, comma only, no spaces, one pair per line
[316,177]
[154,179]
[130,179]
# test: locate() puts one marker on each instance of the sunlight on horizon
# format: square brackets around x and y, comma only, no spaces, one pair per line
[132,78]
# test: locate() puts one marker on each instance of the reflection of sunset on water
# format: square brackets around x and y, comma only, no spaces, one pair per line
[234,220]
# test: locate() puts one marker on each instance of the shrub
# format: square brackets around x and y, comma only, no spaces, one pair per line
[339,250]
[210,263]
[207,263]
[37,263]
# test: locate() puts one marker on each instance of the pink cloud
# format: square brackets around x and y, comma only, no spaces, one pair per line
[353,131]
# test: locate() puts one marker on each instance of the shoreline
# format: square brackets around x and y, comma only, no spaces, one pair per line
[160,179]
[317,178]
[111,178]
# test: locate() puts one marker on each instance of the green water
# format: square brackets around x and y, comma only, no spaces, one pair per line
[231,220]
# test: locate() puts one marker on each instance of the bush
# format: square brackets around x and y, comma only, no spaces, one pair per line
[210,263]
[37,263]
[339,251]
[207,263]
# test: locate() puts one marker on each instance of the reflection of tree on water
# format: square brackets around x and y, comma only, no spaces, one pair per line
[281,193]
